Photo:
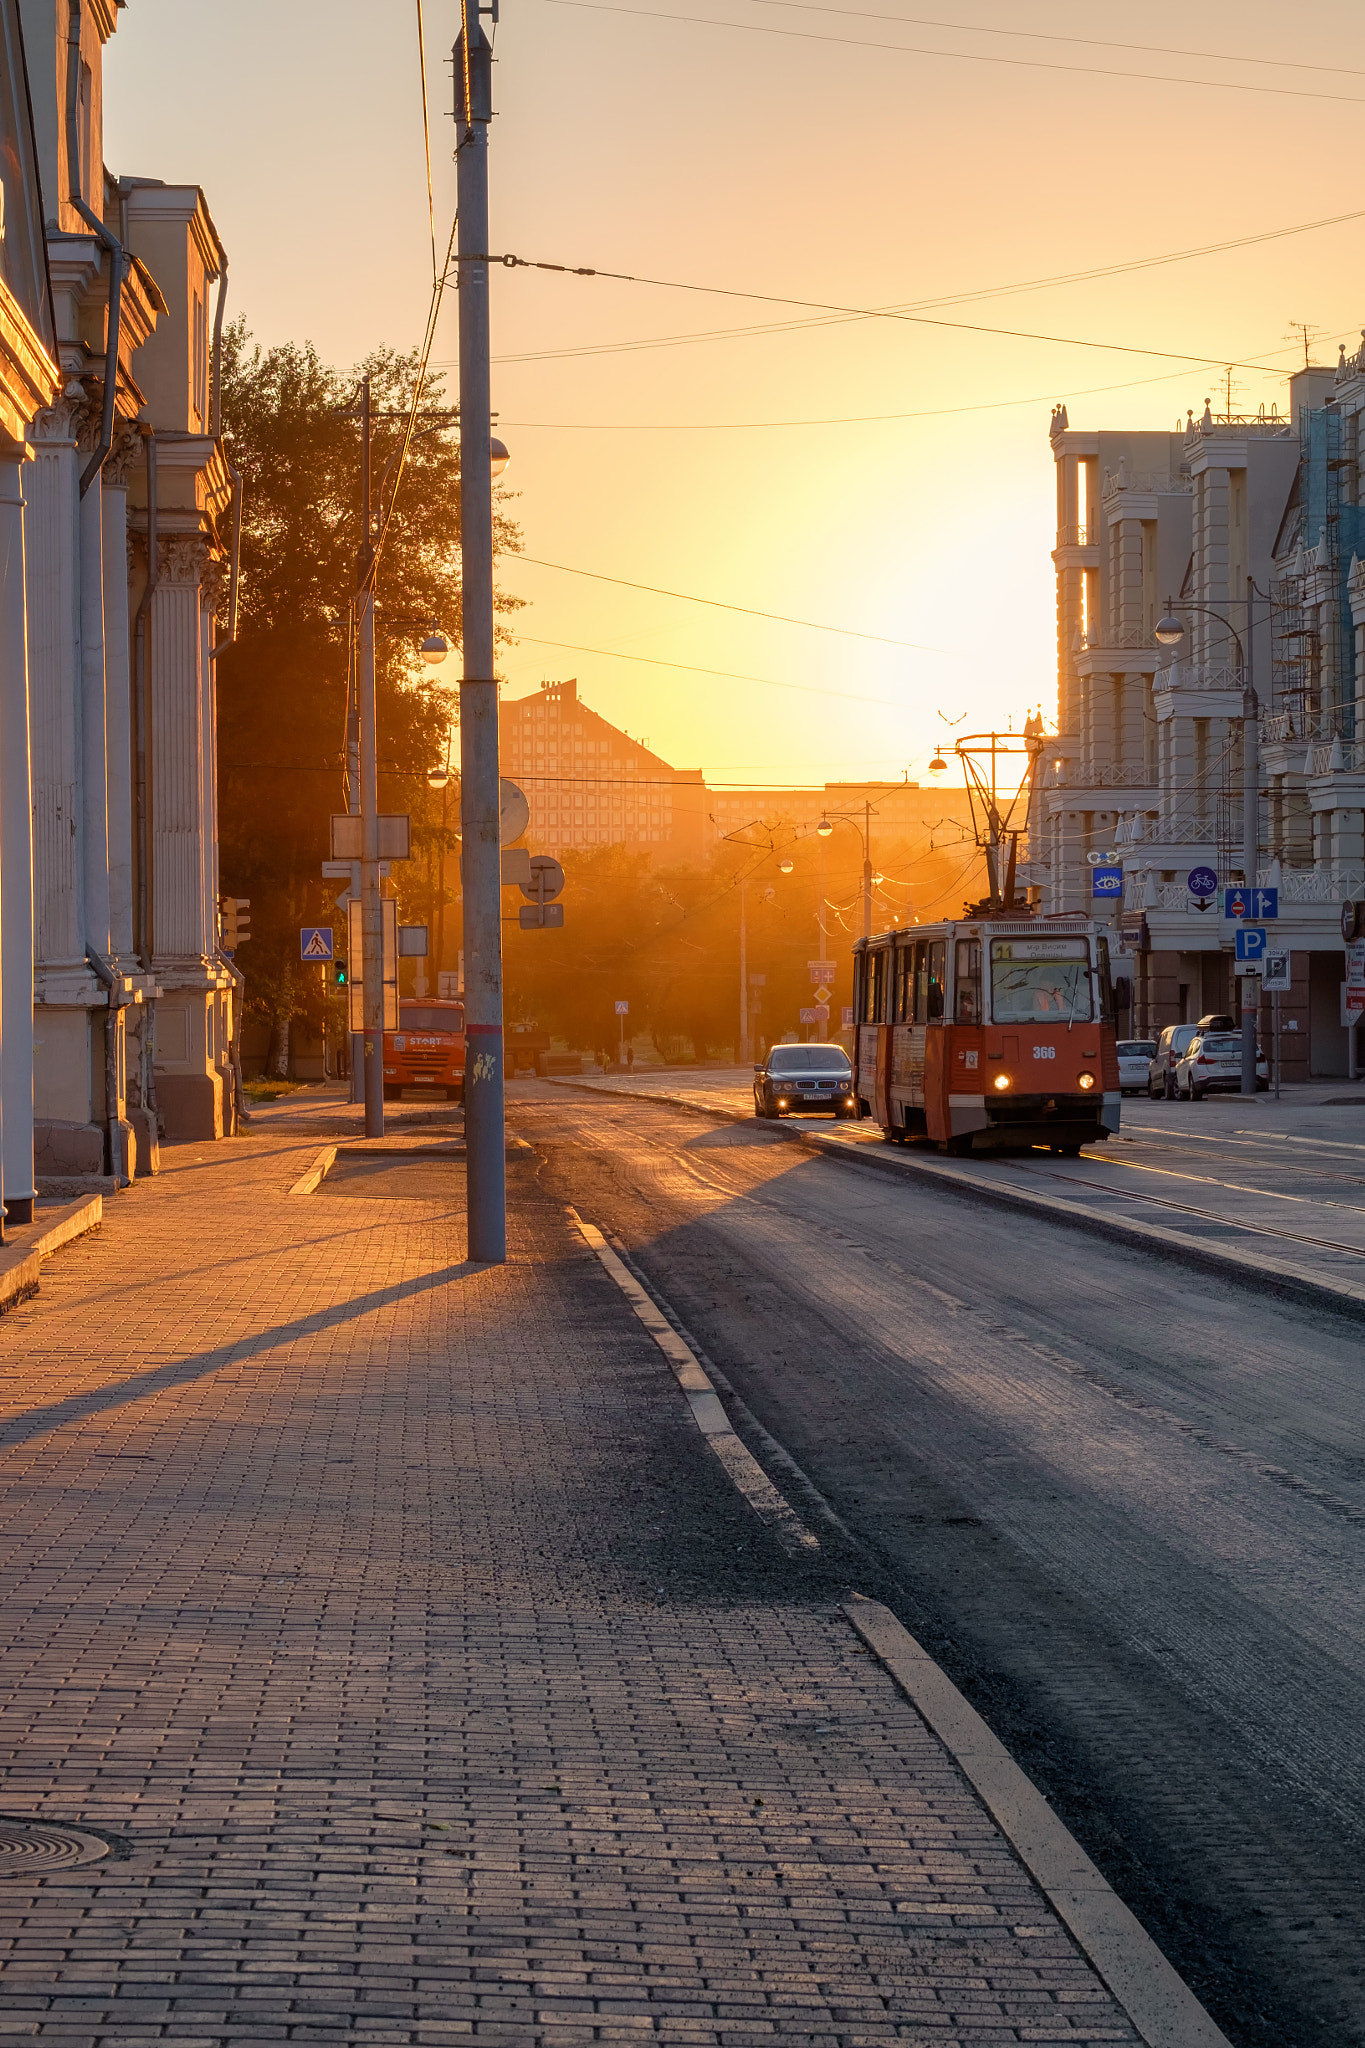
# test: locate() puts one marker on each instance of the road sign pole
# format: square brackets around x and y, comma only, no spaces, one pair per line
[1251,832]
[1275,1026]
[480,798]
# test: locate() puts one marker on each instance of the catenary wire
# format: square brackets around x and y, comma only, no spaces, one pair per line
[943,299]
[1034,35]
[426,137]
[1296,92]
[691,668]
[721,291]
[718,604]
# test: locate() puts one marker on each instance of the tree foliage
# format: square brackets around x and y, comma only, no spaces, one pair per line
[282,684]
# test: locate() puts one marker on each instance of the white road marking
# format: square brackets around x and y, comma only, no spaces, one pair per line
[707,1412]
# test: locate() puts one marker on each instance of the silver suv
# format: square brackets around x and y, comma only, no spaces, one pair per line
[1174,1042]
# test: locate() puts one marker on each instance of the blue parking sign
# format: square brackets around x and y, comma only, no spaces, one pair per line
[1250,943]
[1106,882]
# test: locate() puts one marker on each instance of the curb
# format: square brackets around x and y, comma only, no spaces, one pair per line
[388,1148]
[1225,1264]
[20,1266]
[1123,1955]
[310,1182]
[742,1467]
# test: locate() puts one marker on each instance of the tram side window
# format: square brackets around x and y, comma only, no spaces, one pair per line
[968,1009]
[937,968]
[921,980]
[1106,982]
[874,1009]
[903,999]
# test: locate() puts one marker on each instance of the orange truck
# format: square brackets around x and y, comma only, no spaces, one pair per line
[427,1049]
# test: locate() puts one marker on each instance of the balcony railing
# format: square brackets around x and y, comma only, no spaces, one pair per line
[1306,886]
[1077,536]
[1196,675]
[1121,637]
[1330,757]
[1277,728]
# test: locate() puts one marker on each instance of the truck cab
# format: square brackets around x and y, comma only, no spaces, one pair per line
[427,1050]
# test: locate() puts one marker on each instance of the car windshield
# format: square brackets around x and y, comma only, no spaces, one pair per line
[807,1059]
[1040,981]
[429,1019]
[1138,1049]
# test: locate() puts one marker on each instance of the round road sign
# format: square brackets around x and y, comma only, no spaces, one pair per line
[544,892]
[514,812]
[1202,882]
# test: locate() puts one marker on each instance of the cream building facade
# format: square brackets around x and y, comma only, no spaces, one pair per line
[127,503]
[1147,761]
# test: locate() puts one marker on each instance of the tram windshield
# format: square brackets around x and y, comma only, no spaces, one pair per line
[1041,981]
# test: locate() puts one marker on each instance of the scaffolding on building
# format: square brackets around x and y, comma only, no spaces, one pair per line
[1313,660]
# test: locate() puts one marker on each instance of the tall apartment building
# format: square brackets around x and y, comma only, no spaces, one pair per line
[1248,526]
[590,784]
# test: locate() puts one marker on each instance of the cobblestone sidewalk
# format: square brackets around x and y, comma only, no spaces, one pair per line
[394,1620]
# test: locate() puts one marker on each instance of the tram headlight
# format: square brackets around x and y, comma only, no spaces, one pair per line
[1086,1081]
[1002,1082]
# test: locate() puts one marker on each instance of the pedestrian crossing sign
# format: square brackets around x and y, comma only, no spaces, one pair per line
[315,942]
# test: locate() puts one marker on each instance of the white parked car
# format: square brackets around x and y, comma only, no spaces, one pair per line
[1135,1059]
[1214,1060]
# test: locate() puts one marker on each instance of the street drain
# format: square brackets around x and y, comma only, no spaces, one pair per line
[31,1849]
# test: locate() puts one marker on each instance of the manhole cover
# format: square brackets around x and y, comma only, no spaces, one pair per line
[31,1849]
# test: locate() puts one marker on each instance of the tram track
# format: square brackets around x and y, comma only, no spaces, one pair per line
[1126,1516]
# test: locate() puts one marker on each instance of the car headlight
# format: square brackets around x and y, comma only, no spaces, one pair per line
[1085,1080]
[1002,1081]
[782,1102]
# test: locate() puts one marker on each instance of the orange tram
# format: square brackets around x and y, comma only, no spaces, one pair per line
[988,1034]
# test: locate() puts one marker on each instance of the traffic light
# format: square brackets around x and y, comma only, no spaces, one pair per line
[343,978]
[234,922]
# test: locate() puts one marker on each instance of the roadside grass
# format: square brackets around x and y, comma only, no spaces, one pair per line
[261,1088]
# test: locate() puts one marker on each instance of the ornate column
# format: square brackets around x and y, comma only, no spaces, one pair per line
[118,730]
[50,487]
[94,760]
[16,864]
[178,745]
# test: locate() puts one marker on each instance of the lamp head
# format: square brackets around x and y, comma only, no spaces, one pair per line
[824,828]
[437,778]
[784,867]
[498,456]
[938,766]
[435,647]
[1168,632]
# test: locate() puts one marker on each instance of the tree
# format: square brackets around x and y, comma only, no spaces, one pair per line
[282,684]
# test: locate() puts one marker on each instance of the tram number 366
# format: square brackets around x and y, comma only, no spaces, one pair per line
[1045,1052]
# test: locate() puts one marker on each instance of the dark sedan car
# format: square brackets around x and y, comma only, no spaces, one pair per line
[804,1077]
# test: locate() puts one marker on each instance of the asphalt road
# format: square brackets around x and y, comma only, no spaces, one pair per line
[1122,1502]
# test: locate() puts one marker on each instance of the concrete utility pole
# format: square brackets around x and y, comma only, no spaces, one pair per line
[485,1142]
[355,1039]
[1251,832]
[745,1045]
[371,916]
[867,870]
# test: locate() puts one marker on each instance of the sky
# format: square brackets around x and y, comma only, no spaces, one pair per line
[889,479]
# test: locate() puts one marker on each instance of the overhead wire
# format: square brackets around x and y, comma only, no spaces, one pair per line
[691,668]
[718,604]
[426,136]
[1034,35]
[964,56]
[670,284]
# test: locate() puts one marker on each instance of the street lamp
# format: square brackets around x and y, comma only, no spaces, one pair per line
[938,766]
[864,832]
[1169,631]
[784,867]
[498,457]
[435,647]
[437,778]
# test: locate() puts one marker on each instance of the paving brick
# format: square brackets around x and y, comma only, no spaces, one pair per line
[394,1616]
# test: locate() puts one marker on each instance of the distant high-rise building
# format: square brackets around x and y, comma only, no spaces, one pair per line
[590,784]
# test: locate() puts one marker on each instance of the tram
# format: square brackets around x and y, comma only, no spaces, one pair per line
[988,1033]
